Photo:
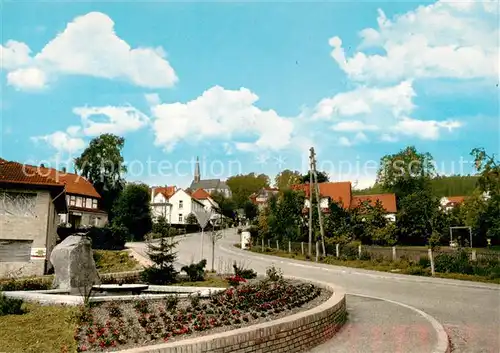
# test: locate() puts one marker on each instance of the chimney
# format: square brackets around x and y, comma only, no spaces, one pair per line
[42,165]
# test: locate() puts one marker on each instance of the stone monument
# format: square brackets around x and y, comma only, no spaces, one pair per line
[74,265]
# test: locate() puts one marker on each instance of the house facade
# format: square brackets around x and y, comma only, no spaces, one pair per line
[160,205]
[209,203]
[29,206]
[450,202]
[209,185]
[261,198]
[174,204]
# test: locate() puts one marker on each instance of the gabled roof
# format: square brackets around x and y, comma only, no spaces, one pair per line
[200,194]
[455,199]
[388,201]
[75,184]
[167,191]
[209,184]
[337,191]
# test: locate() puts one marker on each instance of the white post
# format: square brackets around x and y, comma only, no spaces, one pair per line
[474,255]
[359,251]
[202,243]
[262,249]
[394,257]
[337,250]
[302,247]
[269,243]
[277,245]
[431,258]
[317,251]
[289,246]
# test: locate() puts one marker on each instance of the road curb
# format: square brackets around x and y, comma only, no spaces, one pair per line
[373,274]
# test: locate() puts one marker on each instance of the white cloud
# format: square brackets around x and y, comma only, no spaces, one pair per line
[222,114]
[152,98]
[62,142]
[353,126]
[30,78]
[396,100]
[110,119]
[344,141]
[89,46]
[446,39]
[424,129]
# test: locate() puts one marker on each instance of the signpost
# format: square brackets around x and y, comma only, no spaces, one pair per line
[202,217]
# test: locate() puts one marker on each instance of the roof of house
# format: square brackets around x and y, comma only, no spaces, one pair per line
[216,184]
[337,191]
[200,194]
[166,191]
[388,201]
[14,173]
[75,184]
[455,199]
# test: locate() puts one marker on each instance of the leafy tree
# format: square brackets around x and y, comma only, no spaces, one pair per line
[242,186]
[226,205]
[101,163]
[162,255]
[250,210]
[285,215]
[287,178]
[132,211]
[489,169]
[454,185]
[405,172]
[322,177]
[191,219]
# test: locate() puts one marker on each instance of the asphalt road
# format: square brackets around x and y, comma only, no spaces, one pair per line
[469,311]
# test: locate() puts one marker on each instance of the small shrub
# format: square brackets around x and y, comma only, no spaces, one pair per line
[235,281]
[195,300]
[159,276]
[10,306]
[171,303]
[195,272]
[142,306]
[274,274]
[36,283]
[246,273]
[424,262]
[114,310]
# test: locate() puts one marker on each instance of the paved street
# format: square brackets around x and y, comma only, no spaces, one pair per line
[469,311]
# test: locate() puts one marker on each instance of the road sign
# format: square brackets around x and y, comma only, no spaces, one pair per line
[202,217]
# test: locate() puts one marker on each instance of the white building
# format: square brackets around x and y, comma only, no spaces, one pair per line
[173,204]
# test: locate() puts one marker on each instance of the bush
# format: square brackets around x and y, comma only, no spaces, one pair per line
[424,262]
[274,274]
[159,276]
[195,272]
[108,238]
[35,283]
[254,231]
[246,273]
[10,306]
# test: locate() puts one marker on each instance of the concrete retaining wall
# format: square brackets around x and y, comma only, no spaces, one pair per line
[294,333]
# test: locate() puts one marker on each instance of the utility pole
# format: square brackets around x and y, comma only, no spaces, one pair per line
[318,199]
[309,248]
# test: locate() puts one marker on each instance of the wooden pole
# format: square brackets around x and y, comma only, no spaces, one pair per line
[318,200]
[309,250]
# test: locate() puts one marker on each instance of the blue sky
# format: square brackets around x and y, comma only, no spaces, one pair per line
[250,86]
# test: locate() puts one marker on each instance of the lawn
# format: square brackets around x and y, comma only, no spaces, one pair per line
[108,261]
[41,329]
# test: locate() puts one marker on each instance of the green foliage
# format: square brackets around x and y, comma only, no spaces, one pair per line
[246,273]
[285,215]
[196,271]
[226,205]
[132,211]
[191,219]
[322,177]
[10,306]
[274,274]
[101,163]
[242,186]
[163,257]
[111,237]
[454,185]
[21,284]
[250,210]
[286,179]
[107,261]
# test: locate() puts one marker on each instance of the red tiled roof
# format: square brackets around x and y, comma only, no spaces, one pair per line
[17,173]
[75,184]
[337,191]
[200,194]
[167,191]
[388,201]
[455,199]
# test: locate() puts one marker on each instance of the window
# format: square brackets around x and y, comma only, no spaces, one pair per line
[94,203]
[17,204]
[181,204]
[181,219]
[72,200]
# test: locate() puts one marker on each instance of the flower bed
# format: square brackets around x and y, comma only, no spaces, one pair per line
[113,326]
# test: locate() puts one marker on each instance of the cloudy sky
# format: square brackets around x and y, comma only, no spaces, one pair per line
[250,86]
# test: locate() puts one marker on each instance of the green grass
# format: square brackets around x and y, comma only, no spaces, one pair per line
[41,329]
[211,280]
[108,261]
[402,267]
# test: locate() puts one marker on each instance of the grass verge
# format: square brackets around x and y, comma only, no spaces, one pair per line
[108,261]
[401,267]
[40,329]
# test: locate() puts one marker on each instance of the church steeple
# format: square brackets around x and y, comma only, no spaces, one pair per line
[197,175]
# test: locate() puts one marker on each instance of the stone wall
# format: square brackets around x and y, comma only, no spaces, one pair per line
[296,333]
[38,228]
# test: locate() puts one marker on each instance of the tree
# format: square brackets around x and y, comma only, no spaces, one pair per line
[285,215]
[162,255]
[405,172]
[322,177]
[191,219]
[101,163]
[226,205]
[132,211]
[286,179]
[250,210]
[242,186]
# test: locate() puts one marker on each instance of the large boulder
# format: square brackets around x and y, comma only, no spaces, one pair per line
[74,265]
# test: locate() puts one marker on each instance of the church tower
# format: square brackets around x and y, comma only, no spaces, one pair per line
[197,175]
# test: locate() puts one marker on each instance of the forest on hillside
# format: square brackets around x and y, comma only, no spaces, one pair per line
[454,185]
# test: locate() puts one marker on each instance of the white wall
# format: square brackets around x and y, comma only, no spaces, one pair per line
[324,203]
[182,205]
[158,211]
